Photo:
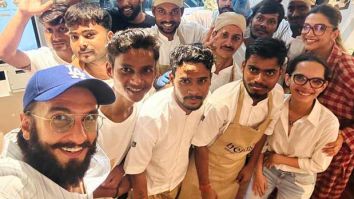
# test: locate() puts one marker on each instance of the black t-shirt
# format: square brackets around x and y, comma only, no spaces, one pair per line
[120,24]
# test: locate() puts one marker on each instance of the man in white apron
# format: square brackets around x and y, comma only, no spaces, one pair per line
[235,120]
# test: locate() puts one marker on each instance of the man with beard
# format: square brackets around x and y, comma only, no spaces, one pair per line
[234,124]
[89,31]
[297,12]
[158,158]
[130,15]
[169,30]
[49,155]
[52,18]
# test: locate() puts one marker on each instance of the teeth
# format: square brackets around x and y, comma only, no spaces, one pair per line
[305,94]
[168,24]
[135,89]
[75,149]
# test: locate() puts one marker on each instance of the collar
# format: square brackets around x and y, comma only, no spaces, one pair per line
[315,114]
[333,58]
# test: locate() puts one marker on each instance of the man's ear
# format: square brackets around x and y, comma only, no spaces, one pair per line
[172,78]
[26,123]
[109,35]
[153,9]
[287,78]
[109,69]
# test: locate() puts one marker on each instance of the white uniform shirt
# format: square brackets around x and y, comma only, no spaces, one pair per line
[43,57]
[161,142]
[222,78]
[191,33]
[307,138]
[20,180]
[221,107]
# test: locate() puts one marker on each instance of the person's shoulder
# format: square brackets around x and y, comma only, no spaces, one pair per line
[149,20]
[225,93]
[156,103]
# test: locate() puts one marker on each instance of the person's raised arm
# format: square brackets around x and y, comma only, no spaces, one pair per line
[10,37]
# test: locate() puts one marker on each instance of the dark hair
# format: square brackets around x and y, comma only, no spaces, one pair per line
[195,53]
[267,48]
[86,13]
[268,7]
[334,17]
[310,58]
[123,41]
[54,15]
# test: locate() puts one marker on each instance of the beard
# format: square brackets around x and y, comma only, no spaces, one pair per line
[39,156]
[226,9]
[135,12]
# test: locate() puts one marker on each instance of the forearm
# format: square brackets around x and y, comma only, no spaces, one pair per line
[256,152]
[139,185]
[11,37]
[202,164]
[293,162]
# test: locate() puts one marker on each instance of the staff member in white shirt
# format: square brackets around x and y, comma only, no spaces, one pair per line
[224,40]
[132,79]
[235,121]
[49,155]
[304,127]
[169,30]
[158,158]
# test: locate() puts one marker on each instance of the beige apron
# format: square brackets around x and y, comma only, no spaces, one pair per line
[161,69]
[226,156]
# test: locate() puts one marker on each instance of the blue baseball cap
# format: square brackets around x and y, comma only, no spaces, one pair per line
[47,84]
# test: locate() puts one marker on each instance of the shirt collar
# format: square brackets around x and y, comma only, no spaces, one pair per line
[335,54]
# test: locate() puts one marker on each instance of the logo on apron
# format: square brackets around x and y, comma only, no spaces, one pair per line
[233,148]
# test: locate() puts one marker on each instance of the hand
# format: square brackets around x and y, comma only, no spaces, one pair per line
[259,186]
[244,176]
[163,80]
[208,193]
[271,159]
[332,148]
[33,7]
[208,40]
[109,188]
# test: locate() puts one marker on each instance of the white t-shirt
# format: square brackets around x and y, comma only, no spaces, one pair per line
[20,180]
[223,77]
[115,138]
[191,33]
[43,57]
[161,142]
[220,110]
[307,138]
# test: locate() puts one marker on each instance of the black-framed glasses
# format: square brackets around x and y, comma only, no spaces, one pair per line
[315,82]
[63,122]
[317,29]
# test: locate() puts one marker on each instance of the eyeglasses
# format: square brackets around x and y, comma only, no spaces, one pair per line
[315,82]
[317,29]
[61,122]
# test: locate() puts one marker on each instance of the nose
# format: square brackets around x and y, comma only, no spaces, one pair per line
[136,79]
[78,132]
[228,3]
[259,77]
[82,43]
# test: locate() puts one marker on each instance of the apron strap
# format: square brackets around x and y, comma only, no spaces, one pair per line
[180,37]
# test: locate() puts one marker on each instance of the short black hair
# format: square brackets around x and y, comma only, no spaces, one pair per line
[85,13]
[195,53]
[54,15]
[123,41]
[269,7]
[310,58]
[267,48]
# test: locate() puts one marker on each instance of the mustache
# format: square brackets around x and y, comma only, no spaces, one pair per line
[193,97]
[258,85]
[261,28]
[85,144]
[171,22]
[229,47]
[226,9]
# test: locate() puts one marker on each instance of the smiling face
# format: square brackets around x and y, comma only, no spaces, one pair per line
[191,83]
[227,40]
[264,25]
[57,36]
[129,9]
[317,42]
[133,73]
[260,75]
[168,17]
[306,93]
[88,42]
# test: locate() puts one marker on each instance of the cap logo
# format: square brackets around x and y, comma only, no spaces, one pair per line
[75,73]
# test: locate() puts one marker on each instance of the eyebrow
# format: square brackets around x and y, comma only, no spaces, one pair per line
[83,32]
[66,110]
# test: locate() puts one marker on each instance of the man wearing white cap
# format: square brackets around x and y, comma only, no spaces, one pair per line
[169,30]
[225,38]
